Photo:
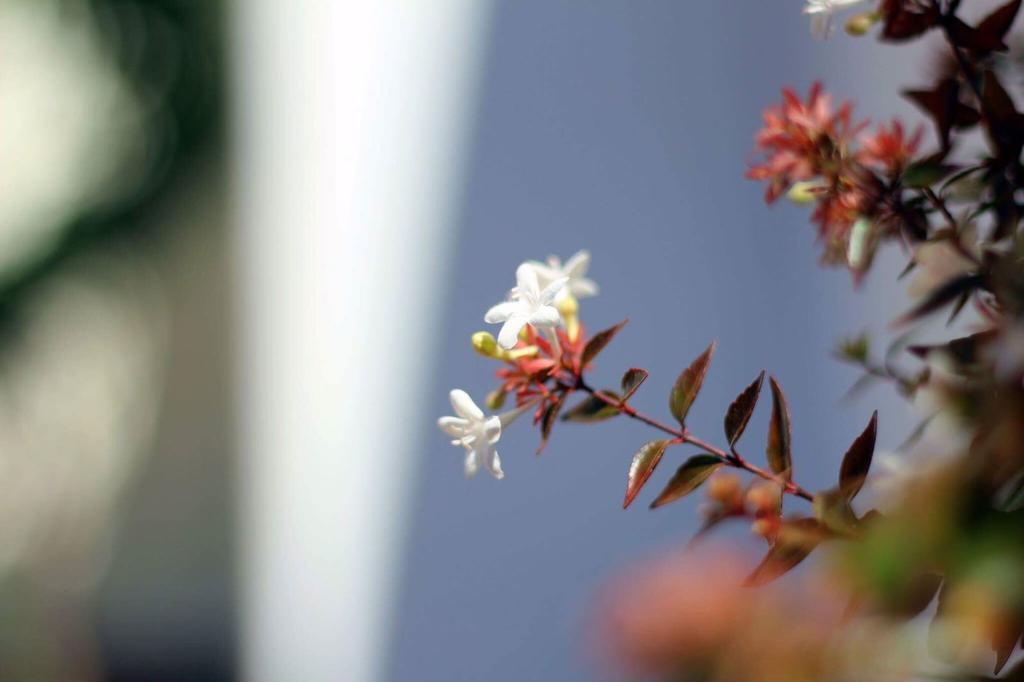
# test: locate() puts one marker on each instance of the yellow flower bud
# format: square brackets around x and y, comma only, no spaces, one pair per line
[516,353]
[804,192]
[568,306]
[859,24]
[496,399]
[485,344]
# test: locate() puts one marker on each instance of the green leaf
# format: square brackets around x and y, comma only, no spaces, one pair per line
[1011,496]
[739,412]
[779,450]
[688,385]
[591,409]
[597,343]
[644,462]
[854,349]
[631,381]
[832,508]
[926,173]
[796,540]
[688,478]
[857,460]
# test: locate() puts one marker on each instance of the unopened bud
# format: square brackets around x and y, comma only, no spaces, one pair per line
[569,309]
[766,527]
[496,399]
[724,488]
[568,306]
[520,352]
[484,343]
[806,192]
[765,497]
[859,24]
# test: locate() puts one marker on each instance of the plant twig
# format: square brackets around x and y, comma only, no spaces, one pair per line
[684,436]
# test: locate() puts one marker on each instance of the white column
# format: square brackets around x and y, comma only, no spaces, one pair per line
[350,121]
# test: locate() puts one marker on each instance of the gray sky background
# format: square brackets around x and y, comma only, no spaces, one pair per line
[625,128]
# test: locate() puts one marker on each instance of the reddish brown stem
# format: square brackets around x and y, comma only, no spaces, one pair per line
[683,435]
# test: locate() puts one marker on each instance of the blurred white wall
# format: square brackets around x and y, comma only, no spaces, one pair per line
[350,121]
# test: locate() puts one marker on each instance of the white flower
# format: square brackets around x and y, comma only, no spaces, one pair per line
[477,433]
[573,271]
[821,12]
[528,305]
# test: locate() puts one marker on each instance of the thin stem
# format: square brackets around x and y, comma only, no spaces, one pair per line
[683,435]
[953,226]
[961,60]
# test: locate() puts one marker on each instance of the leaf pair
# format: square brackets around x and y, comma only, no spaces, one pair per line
[779,448]
[797,538]
[687,478]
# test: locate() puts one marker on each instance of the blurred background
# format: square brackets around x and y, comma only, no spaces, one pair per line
[243,247]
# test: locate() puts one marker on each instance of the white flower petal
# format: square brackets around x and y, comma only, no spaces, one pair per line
[464,405]
[453,426]
[545,317]
[577,264]
[526,282]
[492,429]
[545,274]
[821,24]
[472,465]
[509,334]
[552,290]
[583,287]
[502,312]
[493,463]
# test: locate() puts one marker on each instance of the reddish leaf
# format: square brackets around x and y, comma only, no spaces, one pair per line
[947,293]
[597,343]
[917,596]
[631,381]
[688,478]
[962,35]
[943,105]
[1004,641]
[964,350]
[1004,124]
[779,450]
[796,540]
[739,412]
[644,462]
[998,23]
[905,19]
[857,460]
[547,422]
[688,384]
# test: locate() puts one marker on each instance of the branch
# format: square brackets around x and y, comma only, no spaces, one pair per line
[683,435]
